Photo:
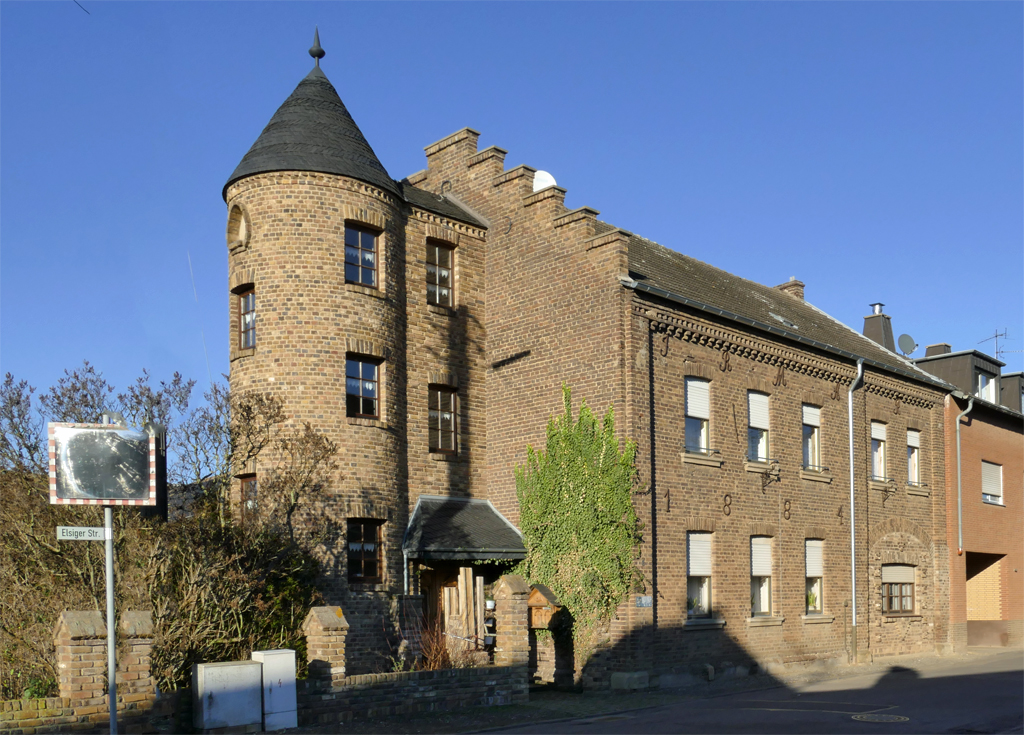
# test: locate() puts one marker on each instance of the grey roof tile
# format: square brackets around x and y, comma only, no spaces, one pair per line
[770,309]
[460,528]
[313,131]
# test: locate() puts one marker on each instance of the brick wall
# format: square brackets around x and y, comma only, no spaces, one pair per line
[986,434]
[80,639]
[411,692]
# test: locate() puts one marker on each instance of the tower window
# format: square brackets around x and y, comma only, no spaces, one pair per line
[698,415]
[365,557]
[441,419]
[360,256]
[439,274]
[247,319]
[362,382]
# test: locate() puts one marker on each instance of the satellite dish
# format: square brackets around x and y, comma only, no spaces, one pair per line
[907,344]
[542,180]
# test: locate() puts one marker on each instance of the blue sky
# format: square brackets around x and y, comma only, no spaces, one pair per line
[873,150]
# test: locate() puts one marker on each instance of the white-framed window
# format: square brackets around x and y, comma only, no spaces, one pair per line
[898,589]
[991,482]
[812,437]
[986,387]
[814,572]
[440,284]
[878,434]
[757,426]
[698,574]
[913,457]
[760,575]
[698,415]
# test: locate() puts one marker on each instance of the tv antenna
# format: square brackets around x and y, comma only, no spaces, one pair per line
[997,352]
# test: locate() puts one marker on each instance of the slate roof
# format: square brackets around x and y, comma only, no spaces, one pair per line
[666,273]
[460,528]
[313,131]
[438,205]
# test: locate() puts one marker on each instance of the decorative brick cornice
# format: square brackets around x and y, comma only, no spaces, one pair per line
[746,345]
[309,178]
[444,223]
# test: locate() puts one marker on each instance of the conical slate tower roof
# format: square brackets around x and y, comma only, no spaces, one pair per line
[312,131]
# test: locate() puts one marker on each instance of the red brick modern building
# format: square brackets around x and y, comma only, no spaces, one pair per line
[427,325]
[984,497]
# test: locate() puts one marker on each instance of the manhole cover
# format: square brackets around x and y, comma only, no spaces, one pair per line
[881,718]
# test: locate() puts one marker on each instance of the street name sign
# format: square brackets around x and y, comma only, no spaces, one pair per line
[82,533]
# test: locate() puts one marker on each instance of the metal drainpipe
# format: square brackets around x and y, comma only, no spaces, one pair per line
[853,526]
[405,571]
[959,503]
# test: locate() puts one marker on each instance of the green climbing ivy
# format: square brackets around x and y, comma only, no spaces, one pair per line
[579,526]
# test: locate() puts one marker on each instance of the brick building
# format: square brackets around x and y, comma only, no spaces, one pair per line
[984,497]
[426,325]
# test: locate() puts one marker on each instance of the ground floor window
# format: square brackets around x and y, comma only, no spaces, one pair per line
[897,588]
[365,558]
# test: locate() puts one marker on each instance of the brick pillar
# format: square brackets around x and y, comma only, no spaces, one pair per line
[136,688]
[512,642]
[80,638]
[325,629]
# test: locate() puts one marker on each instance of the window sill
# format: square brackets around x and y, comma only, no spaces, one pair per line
[704,624]
[894,617]
[237,354]
[704,460]
[366,290]
[444,456]
[367,587]
[765,621]
[817,619]
[884,487]
[815,476]
[921,492]
[442,310]
[759,467]
[992,502]
[374,423]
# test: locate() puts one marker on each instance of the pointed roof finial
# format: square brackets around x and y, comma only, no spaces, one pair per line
[316,52]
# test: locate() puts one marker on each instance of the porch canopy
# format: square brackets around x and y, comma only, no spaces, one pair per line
[443,528]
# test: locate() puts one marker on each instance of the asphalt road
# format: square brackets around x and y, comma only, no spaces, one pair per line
[979,694]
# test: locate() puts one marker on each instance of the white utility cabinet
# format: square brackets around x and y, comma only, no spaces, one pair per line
[227,694]
[279,710]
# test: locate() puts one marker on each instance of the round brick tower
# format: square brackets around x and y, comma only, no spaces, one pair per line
[316,251]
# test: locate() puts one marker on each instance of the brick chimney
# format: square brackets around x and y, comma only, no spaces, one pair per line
[878,327]
[942,348]
[792,287]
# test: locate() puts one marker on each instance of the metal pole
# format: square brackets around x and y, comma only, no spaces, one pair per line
[853,512]
[108,525]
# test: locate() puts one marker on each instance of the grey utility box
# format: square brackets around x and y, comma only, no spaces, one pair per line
[279,711]
[227,695]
